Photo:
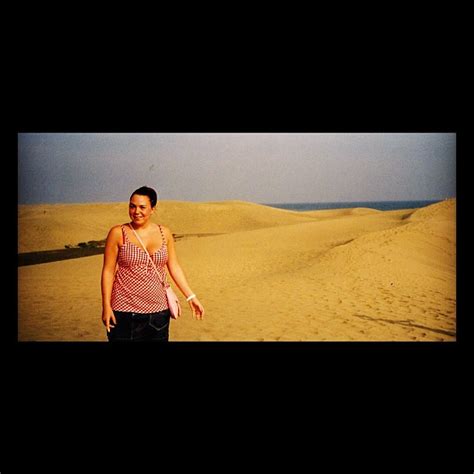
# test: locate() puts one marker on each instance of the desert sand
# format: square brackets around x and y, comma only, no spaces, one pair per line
[262,274]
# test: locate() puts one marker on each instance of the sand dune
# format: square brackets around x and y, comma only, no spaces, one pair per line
[51,226]
[272,275]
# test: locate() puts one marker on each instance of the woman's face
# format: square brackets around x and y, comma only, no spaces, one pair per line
[139,209]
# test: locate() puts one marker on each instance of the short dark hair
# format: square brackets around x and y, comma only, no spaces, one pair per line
[146,191]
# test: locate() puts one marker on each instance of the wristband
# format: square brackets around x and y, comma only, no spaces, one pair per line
[190,297]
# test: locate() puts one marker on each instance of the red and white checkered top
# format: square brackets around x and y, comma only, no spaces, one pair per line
[137,288]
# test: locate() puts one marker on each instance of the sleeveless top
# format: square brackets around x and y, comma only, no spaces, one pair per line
[136,287]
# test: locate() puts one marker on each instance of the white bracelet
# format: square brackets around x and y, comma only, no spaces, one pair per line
[190,297]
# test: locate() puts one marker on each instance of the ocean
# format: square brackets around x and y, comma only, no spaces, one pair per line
[379,205]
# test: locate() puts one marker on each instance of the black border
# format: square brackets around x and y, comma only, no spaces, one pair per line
[385,374]
[379,78]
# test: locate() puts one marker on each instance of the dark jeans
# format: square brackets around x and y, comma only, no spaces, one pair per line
[138,327]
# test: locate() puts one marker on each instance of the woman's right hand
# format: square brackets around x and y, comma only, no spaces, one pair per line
[108,316]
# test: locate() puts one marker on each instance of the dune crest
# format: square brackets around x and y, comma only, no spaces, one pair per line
[52,226]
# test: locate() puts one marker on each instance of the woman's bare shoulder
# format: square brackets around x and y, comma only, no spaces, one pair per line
[116,231]
[166,231]
[117,228]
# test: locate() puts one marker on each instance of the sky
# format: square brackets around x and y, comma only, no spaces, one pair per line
[258,167]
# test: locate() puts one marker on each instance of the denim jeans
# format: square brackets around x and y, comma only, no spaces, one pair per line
[138,327]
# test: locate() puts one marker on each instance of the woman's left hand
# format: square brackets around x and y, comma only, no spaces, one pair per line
[197,308]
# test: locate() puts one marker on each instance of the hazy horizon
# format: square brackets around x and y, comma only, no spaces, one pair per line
[242,200]
[265,168]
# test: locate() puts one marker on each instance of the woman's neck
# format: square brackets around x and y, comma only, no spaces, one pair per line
[140,227]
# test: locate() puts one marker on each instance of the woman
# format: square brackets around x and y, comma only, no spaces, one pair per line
[134,303]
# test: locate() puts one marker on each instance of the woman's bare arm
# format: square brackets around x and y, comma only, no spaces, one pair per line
[177,273]
[108,274]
